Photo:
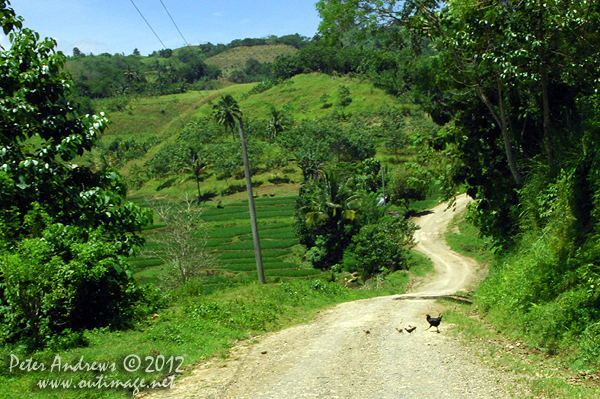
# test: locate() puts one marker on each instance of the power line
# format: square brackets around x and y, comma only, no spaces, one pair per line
[148,23]
[176,27]
[155,34]
[189,46]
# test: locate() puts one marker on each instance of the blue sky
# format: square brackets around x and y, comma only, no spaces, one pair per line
[115,26]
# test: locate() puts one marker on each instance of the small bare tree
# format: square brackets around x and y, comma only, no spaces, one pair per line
[182,242]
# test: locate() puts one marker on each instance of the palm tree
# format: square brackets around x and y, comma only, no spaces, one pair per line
[196,164]
[330,216]
[277,123]
[227,112]
[333,201]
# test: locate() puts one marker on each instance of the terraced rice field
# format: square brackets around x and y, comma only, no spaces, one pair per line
[230,240]
[233,245]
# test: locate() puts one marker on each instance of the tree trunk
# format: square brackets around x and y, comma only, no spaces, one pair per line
[198,185]
[546,109]
[257,253]
[502,122]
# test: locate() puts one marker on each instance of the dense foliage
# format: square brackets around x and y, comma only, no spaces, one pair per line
[341,218]
[64,229]
[515,86]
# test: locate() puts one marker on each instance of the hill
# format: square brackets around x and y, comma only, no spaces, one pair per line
[157,121]
[237,57]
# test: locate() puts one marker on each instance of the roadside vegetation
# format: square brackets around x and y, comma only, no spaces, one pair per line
[418,103]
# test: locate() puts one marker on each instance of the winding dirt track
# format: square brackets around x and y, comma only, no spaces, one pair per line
[355,351]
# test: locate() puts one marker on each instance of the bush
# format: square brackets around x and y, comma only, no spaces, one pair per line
[61,283]
[380,247]
[410,182]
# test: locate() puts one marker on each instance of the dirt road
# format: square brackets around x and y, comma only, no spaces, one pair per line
[355,350]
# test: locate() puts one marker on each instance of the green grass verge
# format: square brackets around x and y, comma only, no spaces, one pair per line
[464,238]
[196,326]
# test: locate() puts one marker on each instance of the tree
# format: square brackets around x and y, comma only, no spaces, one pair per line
[381,247]
[165,53]
[183,246]
[410,182]
[278,122]
[198,162]
[344,98]
[325,218]
[227,111]
[77,213]
[309,145]
[512,75]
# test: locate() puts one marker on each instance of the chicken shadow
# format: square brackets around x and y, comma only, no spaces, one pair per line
[414,214]
[453,298]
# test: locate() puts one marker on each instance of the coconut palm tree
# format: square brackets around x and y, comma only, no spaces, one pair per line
[330,216]
[334,200]
[277,123]
[196,164]
[227,112]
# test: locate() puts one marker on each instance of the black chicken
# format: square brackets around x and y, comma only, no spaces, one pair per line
[410,329]
[434,322]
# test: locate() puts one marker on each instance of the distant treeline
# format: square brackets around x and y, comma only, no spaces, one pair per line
[169,71]
[210,50]
[165,71]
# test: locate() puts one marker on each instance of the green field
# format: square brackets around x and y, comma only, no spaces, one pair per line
[230,241]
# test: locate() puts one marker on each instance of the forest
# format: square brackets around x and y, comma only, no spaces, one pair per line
[495,99]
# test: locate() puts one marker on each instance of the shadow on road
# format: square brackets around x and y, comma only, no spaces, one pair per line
[454,298]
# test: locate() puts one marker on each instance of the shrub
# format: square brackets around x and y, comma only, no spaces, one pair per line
[61,283]
[380,247]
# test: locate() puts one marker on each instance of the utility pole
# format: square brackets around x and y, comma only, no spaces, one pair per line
[257,253]
[383,182]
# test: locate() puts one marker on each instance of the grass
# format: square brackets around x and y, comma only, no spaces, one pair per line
[539,375]
[204,319]
[163,117]
[237,57]
[231,242]
[301,94]
[464,238]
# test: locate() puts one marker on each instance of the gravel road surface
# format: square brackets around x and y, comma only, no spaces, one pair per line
[355,350]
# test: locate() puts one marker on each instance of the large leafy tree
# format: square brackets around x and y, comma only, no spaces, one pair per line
[511,75]
[57,218]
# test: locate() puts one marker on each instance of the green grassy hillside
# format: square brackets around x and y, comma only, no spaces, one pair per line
[165,115]
[160,119]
